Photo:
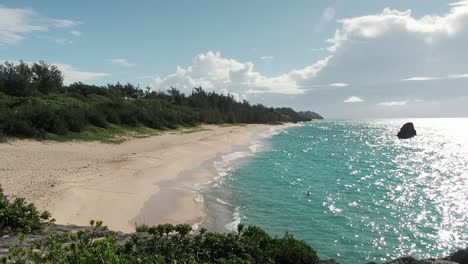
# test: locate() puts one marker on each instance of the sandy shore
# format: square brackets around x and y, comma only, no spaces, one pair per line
[141,180]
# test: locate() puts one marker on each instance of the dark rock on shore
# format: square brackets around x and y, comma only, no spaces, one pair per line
[461,256]
[407,131]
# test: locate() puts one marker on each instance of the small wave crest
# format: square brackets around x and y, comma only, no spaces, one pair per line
[223,202]
[236,220]
[224,165]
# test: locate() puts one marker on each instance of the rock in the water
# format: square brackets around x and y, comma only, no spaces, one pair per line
[407,131]
[328,261]
[411,260]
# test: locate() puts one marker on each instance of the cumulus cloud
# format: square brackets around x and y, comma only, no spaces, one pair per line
[353,99]
[394,44]
[122,62]
[72,75]
[394,53]
[16,23]
[393,103]
[389,54]
[214,72]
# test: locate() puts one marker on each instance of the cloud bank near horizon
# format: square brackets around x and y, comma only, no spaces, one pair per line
[374,55]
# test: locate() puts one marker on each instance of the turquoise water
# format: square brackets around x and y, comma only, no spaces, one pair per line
[372,196]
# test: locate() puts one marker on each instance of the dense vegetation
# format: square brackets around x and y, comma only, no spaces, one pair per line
[167,244]
[17,215]
[158,244]
[34,103]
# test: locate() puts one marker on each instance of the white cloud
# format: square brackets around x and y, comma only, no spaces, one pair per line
[75,33]
[353,99]
[64,23]
[268,58]
[16,23]
[122,62]
[72,75]
[214,72]
[393,103]
[421,79]
[458,76]
[451,76]
[339,85]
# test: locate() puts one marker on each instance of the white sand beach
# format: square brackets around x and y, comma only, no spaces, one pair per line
[80,181]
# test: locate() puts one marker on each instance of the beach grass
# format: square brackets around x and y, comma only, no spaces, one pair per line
[233,125]
[115,134]
[189,130]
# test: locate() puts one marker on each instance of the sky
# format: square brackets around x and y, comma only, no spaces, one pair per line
[340,58]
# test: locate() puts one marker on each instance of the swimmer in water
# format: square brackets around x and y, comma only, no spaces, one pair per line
[308,193]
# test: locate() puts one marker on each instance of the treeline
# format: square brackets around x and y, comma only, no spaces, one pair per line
[34,102]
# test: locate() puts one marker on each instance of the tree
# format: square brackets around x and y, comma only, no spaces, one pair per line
[46,78]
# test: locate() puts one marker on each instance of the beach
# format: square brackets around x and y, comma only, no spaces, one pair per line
[140,181]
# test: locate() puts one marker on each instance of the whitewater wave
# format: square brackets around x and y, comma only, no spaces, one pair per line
[223,202]
[236,220]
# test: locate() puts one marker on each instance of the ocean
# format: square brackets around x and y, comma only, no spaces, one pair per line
[350,188]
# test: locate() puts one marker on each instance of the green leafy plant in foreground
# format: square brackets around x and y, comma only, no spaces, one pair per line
[17,215]
[156,244]
[167,244]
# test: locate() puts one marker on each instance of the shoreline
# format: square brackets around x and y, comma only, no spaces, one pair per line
[149,180]
[222,213]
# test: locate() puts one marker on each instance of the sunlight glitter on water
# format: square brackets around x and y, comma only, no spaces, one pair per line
[373,196]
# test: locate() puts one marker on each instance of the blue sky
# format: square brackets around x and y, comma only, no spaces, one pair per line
[384,62]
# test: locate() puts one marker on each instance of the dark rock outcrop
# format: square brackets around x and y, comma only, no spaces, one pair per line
[8,241]
[407,131]
[327,261]
[461,256]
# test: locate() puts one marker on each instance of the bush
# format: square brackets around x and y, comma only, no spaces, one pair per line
[168,244]
[160,244]
[18,216]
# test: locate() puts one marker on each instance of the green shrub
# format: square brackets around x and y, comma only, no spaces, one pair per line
[167,244]
[19,216]
[161,244]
